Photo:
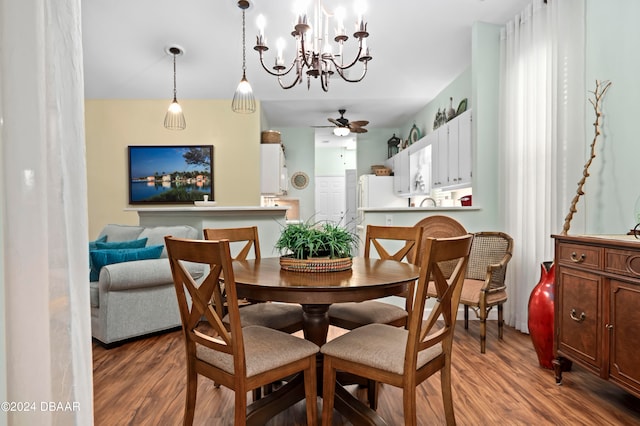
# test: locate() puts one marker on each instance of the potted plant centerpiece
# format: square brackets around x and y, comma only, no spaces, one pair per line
[316,247]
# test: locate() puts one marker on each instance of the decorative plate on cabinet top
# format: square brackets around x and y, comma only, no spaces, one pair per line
[414,134]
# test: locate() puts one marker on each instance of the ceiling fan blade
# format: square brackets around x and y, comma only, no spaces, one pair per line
[359,123]
[359,130]
[322,126]
[336,122]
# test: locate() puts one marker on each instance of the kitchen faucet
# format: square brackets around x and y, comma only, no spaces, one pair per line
[428,198]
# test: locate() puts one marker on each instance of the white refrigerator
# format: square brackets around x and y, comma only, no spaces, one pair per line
[377,191]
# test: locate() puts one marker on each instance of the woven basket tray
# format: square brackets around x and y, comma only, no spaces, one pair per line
[315,265]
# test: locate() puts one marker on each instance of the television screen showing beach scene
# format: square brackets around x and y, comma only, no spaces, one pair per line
[170,174]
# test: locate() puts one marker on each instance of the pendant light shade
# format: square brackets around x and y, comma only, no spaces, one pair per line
[174,119]
[243,100]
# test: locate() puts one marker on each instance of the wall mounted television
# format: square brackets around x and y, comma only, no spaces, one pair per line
[170,174]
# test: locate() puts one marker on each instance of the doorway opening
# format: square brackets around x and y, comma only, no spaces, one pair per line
[335,177]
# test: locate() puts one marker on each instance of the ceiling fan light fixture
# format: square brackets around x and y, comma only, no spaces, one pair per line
[341,131]
[243,100]
[174,119]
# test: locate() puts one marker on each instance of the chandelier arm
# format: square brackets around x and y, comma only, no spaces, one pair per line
[324,81]
[344,67]
[364,73]
[275,74]
[296,81]
[303,54]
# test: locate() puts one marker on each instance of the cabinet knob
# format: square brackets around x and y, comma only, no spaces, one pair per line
[580,318]
[578,259]
[609,326]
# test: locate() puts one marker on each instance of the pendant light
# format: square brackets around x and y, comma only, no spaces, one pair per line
[174,120]
[243,100]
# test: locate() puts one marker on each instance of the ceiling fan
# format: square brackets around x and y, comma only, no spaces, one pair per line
[342,126]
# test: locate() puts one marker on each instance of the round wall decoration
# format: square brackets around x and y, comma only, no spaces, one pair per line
[300,180]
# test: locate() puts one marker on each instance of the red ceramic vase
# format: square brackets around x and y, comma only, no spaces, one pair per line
[541,315]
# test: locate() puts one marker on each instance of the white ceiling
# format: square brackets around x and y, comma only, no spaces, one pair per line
[418,48]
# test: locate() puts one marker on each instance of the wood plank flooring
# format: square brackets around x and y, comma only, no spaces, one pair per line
[143,383]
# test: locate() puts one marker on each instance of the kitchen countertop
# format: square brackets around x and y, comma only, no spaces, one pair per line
[414,209]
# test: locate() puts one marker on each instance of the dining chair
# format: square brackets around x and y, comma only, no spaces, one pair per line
[484,285]
[436,226]
[402,357]
[239,358]
[280,316]
[389,242]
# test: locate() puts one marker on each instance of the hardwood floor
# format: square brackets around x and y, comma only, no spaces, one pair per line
[143,383]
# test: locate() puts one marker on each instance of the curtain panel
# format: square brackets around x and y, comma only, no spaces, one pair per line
[541,139]
[45,342]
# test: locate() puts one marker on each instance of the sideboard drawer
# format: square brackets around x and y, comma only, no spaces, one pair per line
[577,254]
[622,262]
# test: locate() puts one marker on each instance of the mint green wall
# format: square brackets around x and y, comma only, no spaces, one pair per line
[458,89]
[480,85]
[485,88]
[613,53]
[334,161]
[299,152]
[372,148]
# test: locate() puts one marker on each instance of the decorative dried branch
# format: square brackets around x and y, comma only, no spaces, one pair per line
[601,89]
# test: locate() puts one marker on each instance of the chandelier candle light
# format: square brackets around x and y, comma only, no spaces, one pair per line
[174,119]
[314,52]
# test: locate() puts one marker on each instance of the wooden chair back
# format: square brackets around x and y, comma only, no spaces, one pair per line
[490,248]
[382,238]
[379,237]
[198,300]
[248,235]
[423,334]
[436,226]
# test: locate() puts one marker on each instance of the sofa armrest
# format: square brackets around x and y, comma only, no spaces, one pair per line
[139,274]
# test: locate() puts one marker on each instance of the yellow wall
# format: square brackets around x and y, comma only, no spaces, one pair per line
[112,125]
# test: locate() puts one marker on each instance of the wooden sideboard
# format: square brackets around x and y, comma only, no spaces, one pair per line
[597,307]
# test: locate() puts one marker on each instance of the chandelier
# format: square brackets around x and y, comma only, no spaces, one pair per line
[314,51]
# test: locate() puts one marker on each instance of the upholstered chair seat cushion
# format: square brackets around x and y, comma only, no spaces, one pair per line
[278,316]
[367,312]
[471,293]
[263,351]
[380,346]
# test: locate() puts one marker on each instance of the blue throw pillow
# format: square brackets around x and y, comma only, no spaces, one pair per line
[92,244]
[100,258]
[103,245]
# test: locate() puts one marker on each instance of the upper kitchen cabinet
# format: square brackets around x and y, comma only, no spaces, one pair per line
[420,166]
[401,180]
[451,153]
[273,169]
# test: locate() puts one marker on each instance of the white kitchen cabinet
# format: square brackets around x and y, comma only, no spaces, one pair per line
[439,156]
[460,150]
[273,169]
[420,167]
[451,154]
[401,185]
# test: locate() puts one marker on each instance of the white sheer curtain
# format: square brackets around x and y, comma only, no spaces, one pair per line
[44,292]
[541,136]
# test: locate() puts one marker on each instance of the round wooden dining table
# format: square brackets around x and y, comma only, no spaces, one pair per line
[264,280]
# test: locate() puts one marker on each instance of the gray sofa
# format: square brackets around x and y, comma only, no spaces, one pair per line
[136,298]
